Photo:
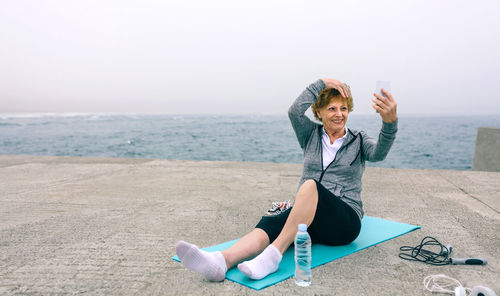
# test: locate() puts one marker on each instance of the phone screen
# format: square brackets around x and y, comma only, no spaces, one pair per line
[383,84]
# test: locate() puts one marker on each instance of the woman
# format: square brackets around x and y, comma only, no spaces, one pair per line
[329,196]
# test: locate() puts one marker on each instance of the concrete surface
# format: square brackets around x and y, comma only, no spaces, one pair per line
[487,150]
[109,226]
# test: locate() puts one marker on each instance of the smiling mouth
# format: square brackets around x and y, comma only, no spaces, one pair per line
[338,121]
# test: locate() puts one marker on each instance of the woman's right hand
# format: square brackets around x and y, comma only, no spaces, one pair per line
[343,88]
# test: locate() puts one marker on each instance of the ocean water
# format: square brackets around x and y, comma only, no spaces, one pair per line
[427,142]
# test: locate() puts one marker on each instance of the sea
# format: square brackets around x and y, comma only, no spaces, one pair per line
[422,142]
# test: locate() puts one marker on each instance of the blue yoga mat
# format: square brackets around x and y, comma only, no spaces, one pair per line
[373,231]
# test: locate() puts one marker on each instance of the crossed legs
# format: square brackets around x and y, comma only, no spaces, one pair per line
[213,266]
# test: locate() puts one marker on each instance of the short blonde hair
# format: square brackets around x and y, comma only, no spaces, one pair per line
[326,96]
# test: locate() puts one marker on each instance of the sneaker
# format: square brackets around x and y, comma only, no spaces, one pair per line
[278,207]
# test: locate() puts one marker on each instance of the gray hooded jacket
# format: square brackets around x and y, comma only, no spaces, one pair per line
[343,175]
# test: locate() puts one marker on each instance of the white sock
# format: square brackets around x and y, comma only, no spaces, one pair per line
[211,265]
[266,263]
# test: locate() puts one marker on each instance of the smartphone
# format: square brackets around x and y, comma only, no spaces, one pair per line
[383,85]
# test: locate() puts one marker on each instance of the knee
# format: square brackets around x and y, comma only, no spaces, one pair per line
[308,188]
[309,184]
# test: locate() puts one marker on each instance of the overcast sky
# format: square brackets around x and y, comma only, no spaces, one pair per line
[441,57]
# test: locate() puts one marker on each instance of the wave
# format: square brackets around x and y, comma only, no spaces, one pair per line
[9,124]
[6,116]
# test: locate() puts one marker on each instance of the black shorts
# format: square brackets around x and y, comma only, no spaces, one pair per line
[335,223]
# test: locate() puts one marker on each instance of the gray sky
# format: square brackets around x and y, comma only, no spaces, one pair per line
[198,56]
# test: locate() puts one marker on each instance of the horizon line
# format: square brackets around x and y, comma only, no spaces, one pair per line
[5,115]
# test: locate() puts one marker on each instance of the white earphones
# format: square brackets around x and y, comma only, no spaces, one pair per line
[441,283]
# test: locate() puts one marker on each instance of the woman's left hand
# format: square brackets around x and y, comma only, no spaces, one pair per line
[385,106]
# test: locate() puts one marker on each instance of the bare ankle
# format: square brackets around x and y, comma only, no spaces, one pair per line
[227,258]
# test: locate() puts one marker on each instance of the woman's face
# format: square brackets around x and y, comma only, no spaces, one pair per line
[334,115]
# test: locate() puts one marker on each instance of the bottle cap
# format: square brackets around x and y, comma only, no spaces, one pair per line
[302,227]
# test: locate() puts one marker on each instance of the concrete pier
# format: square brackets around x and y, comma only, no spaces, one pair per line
[487,150]
[101,226]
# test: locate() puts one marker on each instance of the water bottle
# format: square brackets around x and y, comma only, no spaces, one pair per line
[303,257]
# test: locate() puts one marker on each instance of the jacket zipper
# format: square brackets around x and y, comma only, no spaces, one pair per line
[359,151]
[335,158]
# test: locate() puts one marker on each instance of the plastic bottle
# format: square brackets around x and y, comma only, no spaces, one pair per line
[303,257]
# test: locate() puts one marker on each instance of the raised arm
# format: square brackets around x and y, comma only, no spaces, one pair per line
[386,106]
[378,150]
[301,124]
